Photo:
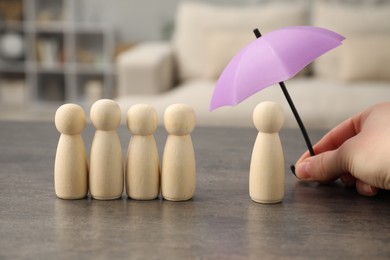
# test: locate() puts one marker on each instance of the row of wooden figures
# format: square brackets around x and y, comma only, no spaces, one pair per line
[144,177]
[105,175]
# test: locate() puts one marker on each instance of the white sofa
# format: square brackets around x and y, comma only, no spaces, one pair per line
[340,83]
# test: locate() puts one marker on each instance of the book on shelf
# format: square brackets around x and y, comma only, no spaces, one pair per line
[49,52]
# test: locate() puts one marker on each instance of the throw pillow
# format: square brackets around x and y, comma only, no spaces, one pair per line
[196,21]
[347,19]
[222,46]
[366,58]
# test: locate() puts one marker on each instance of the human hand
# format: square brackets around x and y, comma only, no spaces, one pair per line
[357,151]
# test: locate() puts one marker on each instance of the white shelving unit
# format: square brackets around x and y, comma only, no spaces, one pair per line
[62,61]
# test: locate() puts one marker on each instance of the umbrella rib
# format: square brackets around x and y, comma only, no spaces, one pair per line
[237,99]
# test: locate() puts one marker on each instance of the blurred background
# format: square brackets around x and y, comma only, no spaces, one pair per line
[55,51]
[59,51]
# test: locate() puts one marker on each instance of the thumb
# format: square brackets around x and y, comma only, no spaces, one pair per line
[324,167]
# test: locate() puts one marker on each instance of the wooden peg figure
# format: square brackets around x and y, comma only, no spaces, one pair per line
[70,167]
[266,178]
[178,177]
[142,163]
[106,176]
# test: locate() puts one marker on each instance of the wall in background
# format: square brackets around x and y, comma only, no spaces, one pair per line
[137,20]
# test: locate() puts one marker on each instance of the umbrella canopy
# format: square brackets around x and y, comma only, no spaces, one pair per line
[272,58]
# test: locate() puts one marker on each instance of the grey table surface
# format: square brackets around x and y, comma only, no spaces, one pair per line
[220,222]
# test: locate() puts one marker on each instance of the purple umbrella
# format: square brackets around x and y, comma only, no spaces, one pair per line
[277,56]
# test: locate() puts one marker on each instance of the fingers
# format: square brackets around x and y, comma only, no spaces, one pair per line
[335,137]
[347,179]
[324,167]
[361,187]
[327,164]
[338,154]
[366,189]
[338,135]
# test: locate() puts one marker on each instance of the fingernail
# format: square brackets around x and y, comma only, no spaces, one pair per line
[369,190]
[302,170]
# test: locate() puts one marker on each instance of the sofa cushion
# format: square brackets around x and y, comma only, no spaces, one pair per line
[358,20]
[221,47]
[201,27]
[321,103]
[366,58]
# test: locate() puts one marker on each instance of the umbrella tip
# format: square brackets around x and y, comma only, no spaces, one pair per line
[292,168]
[212,106]
[257,33]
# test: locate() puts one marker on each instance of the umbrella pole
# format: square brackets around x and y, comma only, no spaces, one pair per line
[298,118]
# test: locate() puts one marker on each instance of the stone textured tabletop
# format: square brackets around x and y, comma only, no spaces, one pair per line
[221,222]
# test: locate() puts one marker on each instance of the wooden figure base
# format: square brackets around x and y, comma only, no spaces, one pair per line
[266,201]
[176,199]
[106,198]
[72,198]
[143,199]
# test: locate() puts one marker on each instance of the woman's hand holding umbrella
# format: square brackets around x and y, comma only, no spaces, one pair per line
[357,151]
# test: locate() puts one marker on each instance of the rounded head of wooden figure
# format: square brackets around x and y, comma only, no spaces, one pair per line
[70,119]
[179,119]
[142,119]
[268,117]
[105,115]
